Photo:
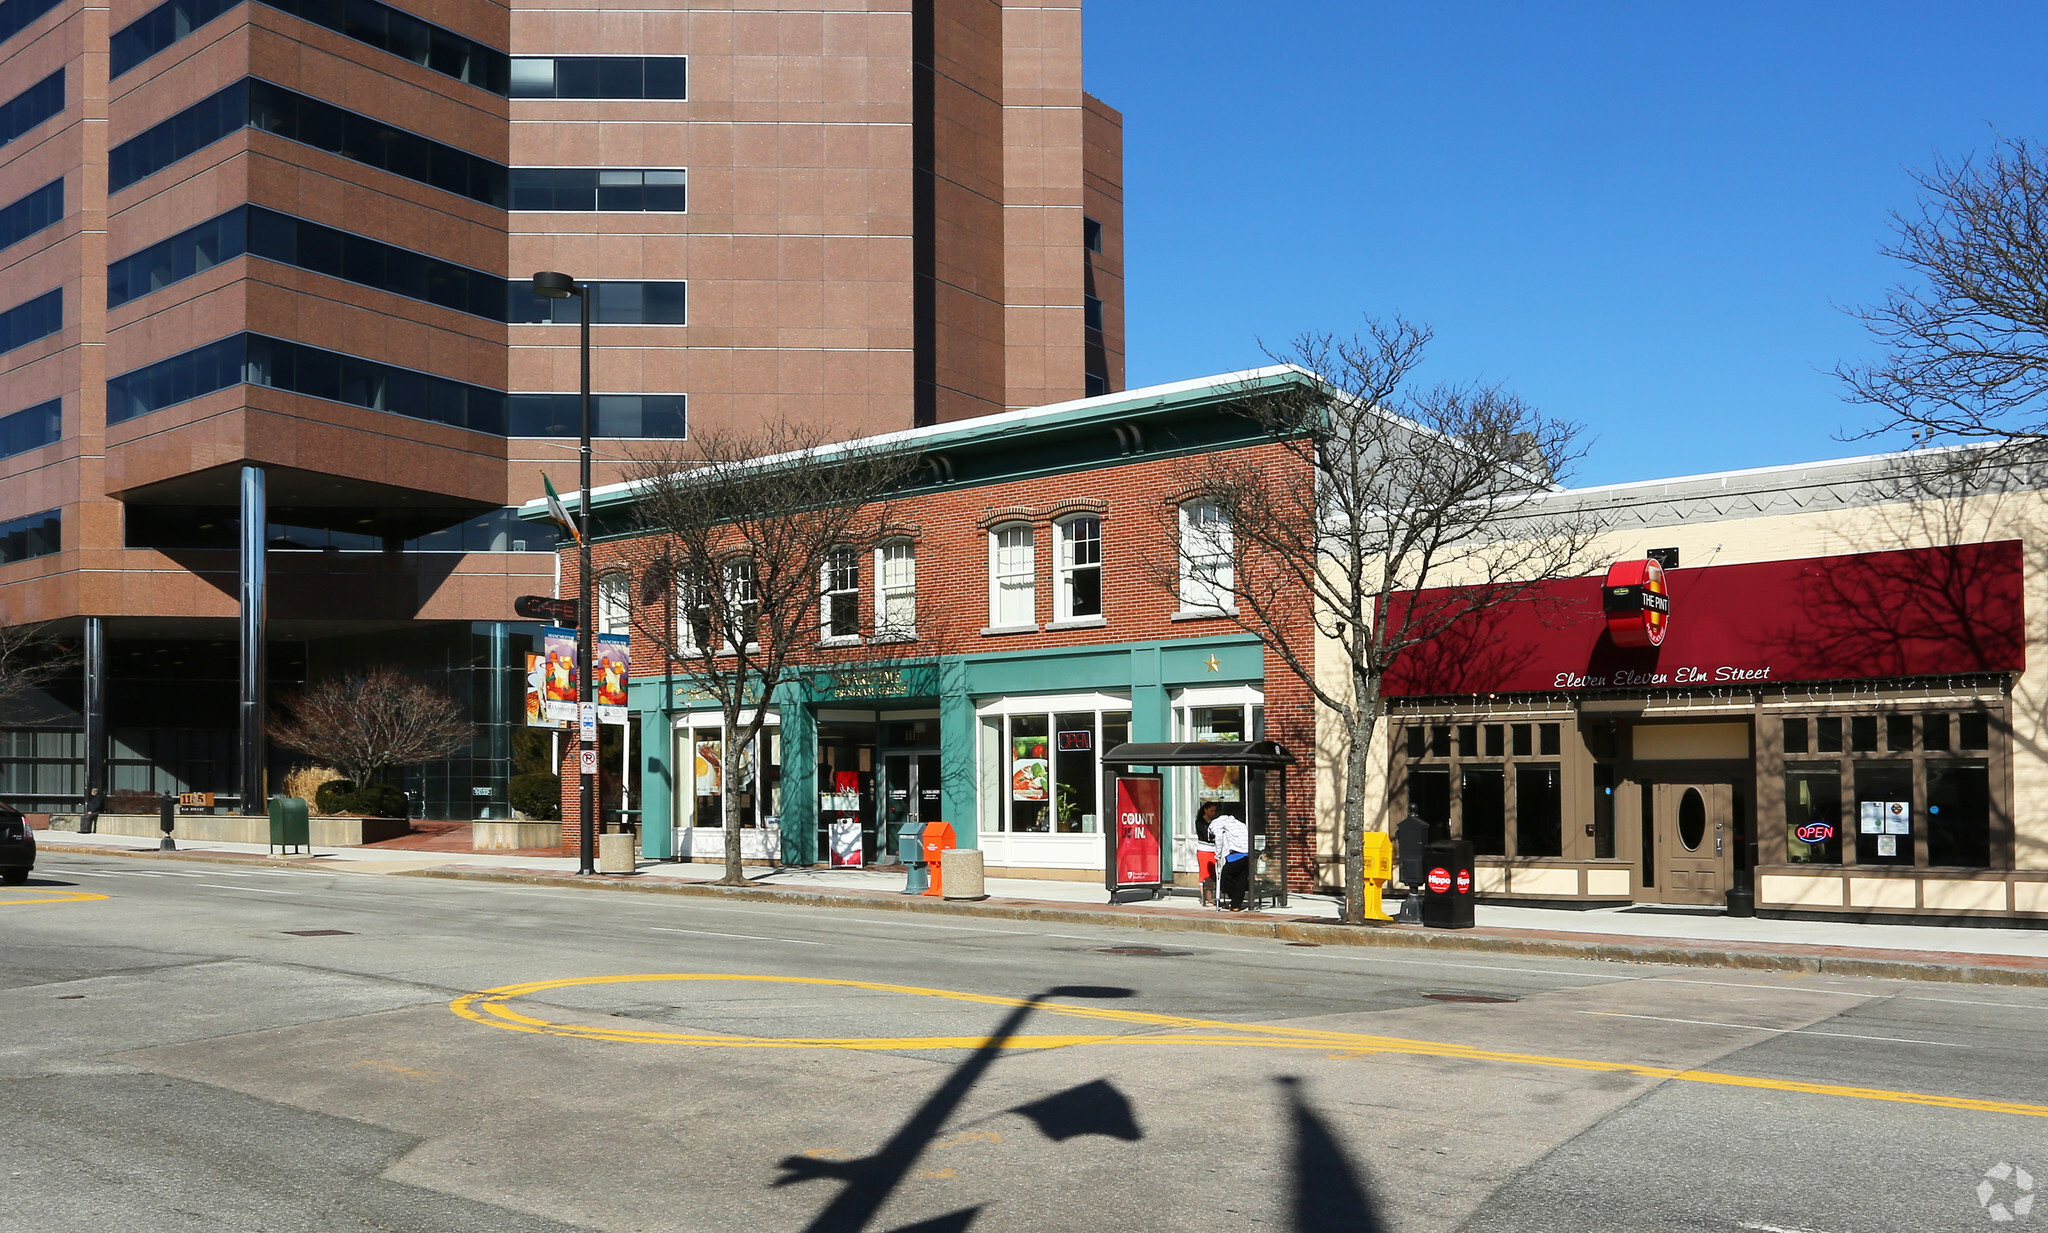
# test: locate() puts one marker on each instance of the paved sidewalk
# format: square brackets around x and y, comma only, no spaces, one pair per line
[1659,935]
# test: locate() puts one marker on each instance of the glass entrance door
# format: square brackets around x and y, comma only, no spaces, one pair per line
[910,793]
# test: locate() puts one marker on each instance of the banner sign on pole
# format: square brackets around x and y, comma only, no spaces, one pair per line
[558,699]
[1138,835]
[611,665]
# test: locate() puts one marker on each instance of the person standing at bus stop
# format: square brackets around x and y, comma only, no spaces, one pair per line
[1234,859]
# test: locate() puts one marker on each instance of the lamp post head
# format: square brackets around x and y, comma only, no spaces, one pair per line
[548,284]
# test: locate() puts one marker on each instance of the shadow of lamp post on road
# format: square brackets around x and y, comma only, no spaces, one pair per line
[872,1179]
[1329,1192]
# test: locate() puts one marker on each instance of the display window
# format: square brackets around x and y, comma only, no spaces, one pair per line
[709,767]
[1493,766]
[1046,773]
[1895,788]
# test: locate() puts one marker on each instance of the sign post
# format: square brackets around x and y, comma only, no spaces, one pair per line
[1136,836]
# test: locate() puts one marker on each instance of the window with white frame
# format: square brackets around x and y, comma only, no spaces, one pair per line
[1208,551]
[1077,584]
[896,590]
[1012,577]
[1041,772]
[693,612]
[707,765]
[743,599]
[841,617]
[614,606]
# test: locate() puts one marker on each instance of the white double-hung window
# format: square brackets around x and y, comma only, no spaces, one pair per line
[842,594]
[1208,558]
[743,600]
[614,604]
[896,591]
[1012,577]
[1077,569]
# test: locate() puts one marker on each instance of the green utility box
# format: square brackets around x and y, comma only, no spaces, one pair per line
[290,825]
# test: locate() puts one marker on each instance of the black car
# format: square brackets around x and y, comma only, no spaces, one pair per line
[17,847]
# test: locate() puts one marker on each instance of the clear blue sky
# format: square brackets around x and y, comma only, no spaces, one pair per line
[1642,217]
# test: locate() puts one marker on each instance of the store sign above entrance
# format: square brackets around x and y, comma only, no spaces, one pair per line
[1947,611]
[874,682]
[1637,606]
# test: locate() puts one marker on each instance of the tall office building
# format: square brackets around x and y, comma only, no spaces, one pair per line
[271,375]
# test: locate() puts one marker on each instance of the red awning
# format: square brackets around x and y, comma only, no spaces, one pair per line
[1912,613]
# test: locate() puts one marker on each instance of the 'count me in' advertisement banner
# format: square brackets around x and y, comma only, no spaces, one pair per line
[609,665]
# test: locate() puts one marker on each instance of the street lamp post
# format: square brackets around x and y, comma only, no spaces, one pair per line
[554,286]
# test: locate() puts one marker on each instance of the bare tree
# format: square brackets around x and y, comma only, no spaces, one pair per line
[30,659]
[1967,342]
[1397,516]
[739,531]
[362,724]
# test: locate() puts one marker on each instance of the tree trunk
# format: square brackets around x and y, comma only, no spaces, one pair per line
[1365,721]
[729,809]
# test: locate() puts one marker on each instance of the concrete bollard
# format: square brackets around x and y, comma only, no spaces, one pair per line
[615,853]
[960,873]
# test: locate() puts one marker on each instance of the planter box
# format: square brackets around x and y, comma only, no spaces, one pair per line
[235,828]
[511,836]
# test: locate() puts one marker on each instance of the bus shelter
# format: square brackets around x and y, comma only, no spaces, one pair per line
[1134,777]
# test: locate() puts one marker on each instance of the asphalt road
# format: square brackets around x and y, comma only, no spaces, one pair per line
[194,1048]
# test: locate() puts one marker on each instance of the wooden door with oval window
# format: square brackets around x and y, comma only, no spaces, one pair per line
[1695,836]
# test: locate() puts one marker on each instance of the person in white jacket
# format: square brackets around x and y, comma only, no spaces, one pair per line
[1234,859]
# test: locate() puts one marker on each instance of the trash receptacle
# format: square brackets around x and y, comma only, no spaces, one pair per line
[910,850]
[938,840]
[289,824]
[1447,887]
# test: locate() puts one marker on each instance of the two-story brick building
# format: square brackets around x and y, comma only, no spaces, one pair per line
[1042,633]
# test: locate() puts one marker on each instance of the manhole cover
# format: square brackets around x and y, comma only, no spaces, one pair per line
[1146,951]
[320,933]
[1466,997]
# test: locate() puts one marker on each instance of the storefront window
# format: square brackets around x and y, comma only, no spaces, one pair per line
[1539,818]
[1813,815]
[1051,768]
[1888,821]
[712,766]
[1484,760]
[1884,813]
[1482,796]
[1959,814]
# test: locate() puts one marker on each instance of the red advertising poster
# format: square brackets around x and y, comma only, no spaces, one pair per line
[1137,830]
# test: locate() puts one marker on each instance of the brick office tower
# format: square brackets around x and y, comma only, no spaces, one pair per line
[271,376]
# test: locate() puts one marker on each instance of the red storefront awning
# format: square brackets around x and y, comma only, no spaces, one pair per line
[1910,613]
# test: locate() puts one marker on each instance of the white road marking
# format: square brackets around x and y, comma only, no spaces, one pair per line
[751,937]
[254,890]
[80,873]
[1751,1027]
[1773,1228]
[1968,1002]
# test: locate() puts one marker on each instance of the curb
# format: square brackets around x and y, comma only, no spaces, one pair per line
[1833,961]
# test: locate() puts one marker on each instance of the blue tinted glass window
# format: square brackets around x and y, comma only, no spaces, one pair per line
[15,15]
[37,535]
[614,415]
[180,136]
[32,428]
[300,369]
[27,215]
[608,77]
[622,189]
[37,318]
[287,114]
[611,303]
[366,21]
[31,107]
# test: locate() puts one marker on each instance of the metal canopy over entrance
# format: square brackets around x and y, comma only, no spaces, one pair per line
[1257,759]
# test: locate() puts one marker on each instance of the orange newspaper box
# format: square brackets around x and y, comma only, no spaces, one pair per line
[938,836]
